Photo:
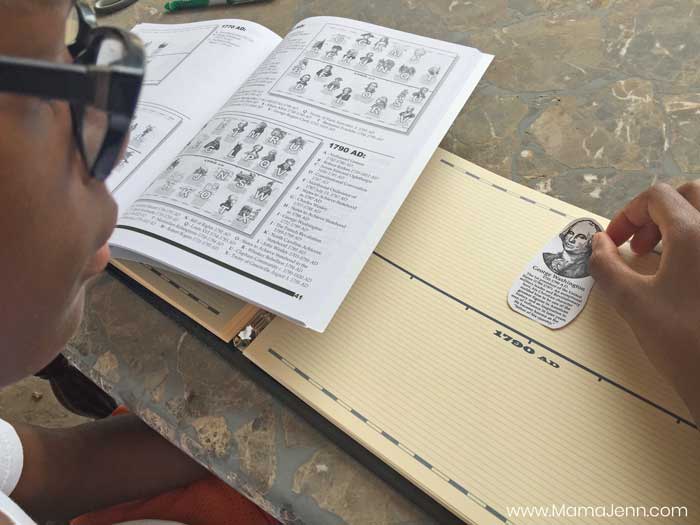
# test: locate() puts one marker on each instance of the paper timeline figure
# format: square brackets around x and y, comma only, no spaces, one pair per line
[572,260]
[556,283]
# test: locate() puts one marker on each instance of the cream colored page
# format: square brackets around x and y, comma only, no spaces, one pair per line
[425,365]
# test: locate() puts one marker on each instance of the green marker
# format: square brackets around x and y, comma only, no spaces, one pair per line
[176,5]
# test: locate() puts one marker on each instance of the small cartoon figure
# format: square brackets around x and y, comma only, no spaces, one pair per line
[172,165]
[208,191]
[302,83]
[381,44]
[407,114]
[222,175]
[258,130]
[240,128]
[344,96]
[161,46]
[263,192]
[199,173]
[167,186]
[125,160]
[267,159]
[243,179]
[433,72]
[296,144]
[226,205]
[419,96]
[185,192]
[253,153]
[406,72]
[396,51]
[276,135]
[370,89]
[399,99]
[325,71]
[365,39]
[333,84]
[236,149]
[333,51]
[367,59]
[318,45]
[418,53]
[221,126]
[213,145]
[385,65]
[349,56]
[246,215]
[300,66]
[284,168]
[138,139]
[378,106]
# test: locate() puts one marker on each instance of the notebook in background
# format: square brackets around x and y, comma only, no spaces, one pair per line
[427,367]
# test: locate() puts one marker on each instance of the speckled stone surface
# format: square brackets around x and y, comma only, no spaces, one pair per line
[588,101]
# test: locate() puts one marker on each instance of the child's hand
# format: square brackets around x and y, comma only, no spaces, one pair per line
[663,309]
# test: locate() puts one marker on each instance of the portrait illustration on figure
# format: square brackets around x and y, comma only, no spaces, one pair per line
[572,260]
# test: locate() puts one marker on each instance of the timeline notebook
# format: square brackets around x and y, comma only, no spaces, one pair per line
[489,412]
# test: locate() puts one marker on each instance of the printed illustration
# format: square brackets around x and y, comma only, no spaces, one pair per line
[555,285]
[150,127]
[572,260]
[163,56]
[235,170]
[370,77]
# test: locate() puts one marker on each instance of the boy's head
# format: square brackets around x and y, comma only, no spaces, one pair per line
[54,218]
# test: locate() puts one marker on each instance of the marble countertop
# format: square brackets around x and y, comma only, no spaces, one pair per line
[588,101]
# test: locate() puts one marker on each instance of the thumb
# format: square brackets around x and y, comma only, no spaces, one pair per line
[612,274]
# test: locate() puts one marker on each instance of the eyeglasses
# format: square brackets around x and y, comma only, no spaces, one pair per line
[102,85]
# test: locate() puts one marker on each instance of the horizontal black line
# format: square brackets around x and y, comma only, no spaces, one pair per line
[558,212]
[545,347]
[527,200]
[499,187]
[233,269]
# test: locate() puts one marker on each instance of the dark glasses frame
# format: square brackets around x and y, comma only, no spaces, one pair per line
[112,88]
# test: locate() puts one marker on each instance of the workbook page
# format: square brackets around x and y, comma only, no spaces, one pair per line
[191,70]
[281,198]
[494,415]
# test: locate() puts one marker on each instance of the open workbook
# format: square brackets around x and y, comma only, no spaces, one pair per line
[269,168]
[492,414]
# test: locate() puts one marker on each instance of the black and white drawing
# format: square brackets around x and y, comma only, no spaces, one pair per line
[268,159]
[263,192]
[227,205]
[213,145]
[151,126]
[164,54]
[572,260]
[347,71]
[555,285]
[236,166]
